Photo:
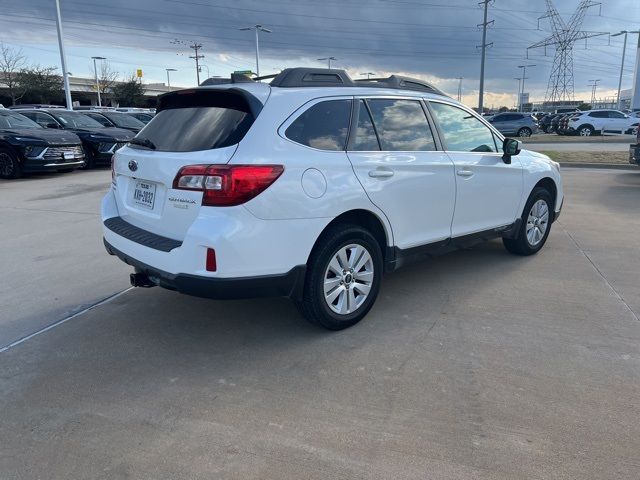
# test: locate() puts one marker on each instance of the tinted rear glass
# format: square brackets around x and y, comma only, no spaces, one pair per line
[324,126]
[124,120]
[76,120]
[199,120]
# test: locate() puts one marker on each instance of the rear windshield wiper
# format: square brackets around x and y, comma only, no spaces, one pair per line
[143,142]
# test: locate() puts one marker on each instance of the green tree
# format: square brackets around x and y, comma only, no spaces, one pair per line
[503,109]
[40,84]
[129,93]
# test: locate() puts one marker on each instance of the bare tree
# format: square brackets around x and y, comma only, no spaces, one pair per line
[107,77]
[12,62]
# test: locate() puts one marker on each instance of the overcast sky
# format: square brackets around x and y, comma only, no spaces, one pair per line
[432,39]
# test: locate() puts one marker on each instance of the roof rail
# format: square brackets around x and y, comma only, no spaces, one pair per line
[400,82]
[312,77]
[324,77]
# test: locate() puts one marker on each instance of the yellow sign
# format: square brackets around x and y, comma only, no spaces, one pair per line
[139,73]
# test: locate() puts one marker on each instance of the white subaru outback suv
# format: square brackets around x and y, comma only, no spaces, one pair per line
[313,186]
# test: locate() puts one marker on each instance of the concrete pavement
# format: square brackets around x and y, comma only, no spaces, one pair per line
[476,365]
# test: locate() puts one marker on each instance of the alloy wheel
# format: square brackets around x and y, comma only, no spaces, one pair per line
[7,167]
[537,222]
[585,132]
[348,279]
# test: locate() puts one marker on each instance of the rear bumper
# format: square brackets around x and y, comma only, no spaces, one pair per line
[288,284]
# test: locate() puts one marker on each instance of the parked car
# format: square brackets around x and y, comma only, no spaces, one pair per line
[98,142]
[143,117]
[561,123]
[312,192]
[634,150]
[518,124]
[545,123]
[116,119]
[599,122]
[27,147]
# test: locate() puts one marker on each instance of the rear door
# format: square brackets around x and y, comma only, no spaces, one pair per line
[192,128]
[618,122]
[395,156]
[488,190]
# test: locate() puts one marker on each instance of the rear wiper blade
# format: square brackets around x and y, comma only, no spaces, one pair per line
[143,142]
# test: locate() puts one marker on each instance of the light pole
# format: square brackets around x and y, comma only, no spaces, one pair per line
[624,52]
[368,74]
[460,88]
[207,67]
[257,28]
[95,71]
[168,80]
[517,104]
[328,59]
[63,58]
[524,77]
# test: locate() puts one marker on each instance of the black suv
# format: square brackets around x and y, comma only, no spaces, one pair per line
[27,147]
[98,142]
[116,119]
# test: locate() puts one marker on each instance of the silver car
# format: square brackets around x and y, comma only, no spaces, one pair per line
[513,123]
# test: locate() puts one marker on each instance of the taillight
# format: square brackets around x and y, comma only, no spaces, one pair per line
[227,185]
[113,169]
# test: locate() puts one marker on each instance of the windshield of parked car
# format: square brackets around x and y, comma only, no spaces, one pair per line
[123,120]
[15,120]
[76,120]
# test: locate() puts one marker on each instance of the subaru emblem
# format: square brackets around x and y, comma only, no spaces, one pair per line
[133,165]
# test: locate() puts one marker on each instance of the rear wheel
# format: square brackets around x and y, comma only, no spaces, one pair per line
[585,130]
[343,277]
[534,226]
[524,132]
[9,164]
[89,158]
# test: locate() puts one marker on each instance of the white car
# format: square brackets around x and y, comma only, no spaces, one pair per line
[601,122]
[314,185]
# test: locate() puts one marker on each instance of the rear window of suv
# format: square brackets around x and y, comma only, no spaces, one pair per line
[190,121]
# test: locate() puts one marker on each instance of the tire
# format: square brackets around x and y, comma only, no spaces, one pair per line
[10,167]
[524,132]
[527,241]
[344,286]
[585,131]
[89,159]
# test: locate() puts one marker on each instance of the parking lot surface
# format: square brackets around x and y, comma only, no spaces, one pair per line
[475,365]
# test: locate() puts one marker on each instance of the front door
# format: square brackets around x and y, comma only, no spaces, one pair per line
[396,159]
[488,190]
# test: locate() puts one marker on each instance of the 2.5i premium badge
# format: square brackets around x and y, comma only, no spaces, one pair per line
[181,202]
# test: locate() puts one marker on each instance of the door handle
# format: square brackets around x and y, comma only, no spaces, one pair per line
[381,173]
[465,173]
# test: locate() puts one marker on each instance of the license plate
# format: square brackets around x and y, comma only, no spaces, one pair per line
[144,194]
[68,155]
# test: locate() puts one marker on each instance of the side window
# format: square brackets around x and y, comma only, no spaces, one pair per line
[323,126]
[598,115]
[365,138]
[401,125]
[43,119]
[462,131]
[99,118]
[614,114]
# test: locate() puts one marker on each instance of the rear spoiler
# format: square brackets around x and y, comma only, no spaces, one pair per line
[235,98]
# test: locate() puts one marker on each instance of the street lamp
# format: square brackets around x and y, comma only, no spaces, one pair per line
[368,74]
[95,71]
[168,80]
[624,52]
[257,28]
[524,77]
[328,59]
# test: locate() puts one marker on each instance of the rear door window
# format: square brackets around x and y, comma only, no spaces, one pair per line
[190,121]
[364,137]
[402,125]
[324,126]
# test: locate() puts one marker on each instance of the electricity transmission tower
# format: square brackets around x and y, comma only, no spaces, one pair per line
[564,36]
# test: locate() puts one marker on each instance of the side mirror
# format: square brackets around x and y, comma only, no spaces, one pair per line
[510,147]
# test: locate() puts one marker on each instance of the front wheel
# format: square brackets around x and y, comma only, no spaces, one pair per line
[9,165]
[586,131]
[343,277]
[525,132]
[534,226]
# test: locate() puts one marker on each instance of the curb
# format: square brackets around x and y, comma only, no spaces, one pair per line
[614,166]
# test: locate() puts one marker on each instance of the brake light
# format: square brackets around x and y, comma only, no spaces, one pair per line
[575,118]
[227,185]
[113,169]
[211,263]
